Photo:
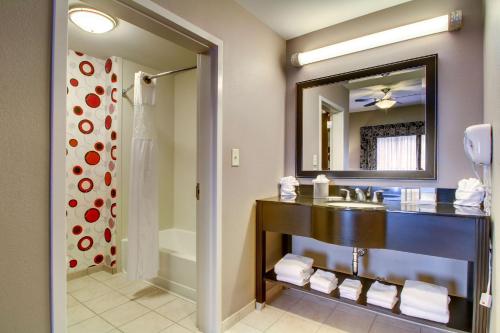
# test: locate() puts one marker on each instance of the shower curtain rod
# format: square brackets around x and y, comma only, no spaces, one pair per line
[148,78]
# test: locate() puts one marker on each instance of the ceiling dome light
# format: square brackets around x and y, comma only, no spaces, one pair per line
[91,20]
[385,103]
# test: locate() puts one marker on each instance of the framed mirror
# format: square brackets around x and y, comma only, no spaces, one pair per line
[378,122]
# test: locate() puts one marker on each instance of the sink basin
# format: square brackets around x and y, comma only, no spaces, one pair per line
[362,205]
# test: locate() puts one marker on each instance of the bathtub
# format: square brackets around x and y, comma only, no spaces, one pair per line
[177,261]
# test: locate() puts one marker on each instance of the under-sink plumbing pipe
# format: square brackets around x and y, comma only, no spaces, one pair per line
[356,253]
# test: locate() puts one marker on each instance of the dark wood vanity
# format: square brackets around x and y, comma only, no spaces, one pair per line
[440,231]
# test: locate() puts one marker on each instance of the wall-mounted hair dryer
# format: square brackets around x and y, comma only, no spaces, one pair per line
[477,144]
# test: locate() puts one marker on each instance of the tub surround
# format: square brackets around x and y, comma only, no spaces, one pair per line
[441,230]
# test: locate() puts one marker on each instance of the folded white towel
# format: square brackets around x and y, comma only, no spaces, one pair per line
[294,265]
[293,280]
[382,292]
[414,312]
[470,192]
[323,279]
[350,289]
[385,304]
[350,295]
[425,296]
[287,188]
[327,290]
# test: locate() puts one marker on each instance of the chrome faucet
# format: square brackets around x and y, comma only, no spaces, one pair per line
[375,196]
[360,195]
[347,194]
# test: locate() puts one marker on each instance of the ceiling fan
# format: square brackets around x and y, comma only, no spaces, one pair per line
[385,102]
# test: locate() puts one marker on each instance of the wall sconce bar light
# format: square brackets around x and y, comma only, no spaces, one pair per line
[448,22]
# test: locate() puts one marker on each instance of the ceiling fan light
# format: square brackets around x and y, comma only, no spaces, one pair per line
[385,103]
[91,20]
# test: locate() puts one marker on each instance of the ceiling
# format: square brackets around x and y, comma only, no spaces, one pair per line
[293,18]
[130,42]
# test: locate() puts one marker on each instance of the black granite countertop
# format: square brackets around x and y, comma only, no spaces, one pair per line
[392,206]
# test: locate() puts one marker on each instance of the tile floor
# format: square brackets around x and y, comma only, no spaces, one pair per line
[102,302]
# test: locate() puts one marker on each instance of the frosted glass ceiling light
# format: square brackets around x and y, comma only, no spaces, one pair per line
[385,103]
[449,22]
[92,20]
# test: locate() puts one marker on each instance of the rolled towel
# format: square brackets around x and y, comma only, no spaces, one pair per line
[323,279]
[429,315]
[425,296]
[382,292]
[294,265]
[293,280]
[350,289]
[385,304]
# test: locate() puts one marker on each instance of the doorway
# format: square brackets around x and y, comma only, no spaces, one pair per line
[162,23]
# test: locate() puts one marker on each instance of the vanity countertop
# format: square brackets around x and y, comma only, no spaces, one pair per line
[441,208]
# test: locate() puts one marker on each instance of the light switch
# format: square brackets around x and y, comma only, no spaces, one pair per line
[235,157]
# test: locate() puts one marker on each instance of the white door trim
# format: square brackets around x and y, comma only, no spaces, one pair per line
[210,104]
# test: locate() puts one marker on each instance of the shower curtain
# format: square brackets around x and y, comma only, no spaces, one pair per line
[143,248]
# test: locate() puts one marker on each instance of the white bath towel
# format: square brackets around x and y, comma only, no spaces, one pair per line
[350,289]
[434,316]
[294,266]
[293,280]
[323,279]
[382,292]
[385,304]
[425,296]
[327,290]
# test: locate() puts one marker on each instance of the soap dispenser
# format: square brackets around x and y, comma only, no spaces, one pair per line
[321,187]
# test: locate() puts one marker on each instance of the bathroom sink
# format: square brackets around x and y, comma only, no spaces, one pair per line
[348,204]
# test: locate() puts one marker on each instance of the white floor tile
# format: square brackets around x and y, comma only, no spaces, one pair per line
[189,322]
[106,302]
[79,283]
[263,319]
[242,328]
[101,276]
[384,324]
[175,329]
[94,325]
[151,322]
[78,313]
[124,313]
[137,289]
[177,309]
[156,299]
[118,281]
[90,292]
[313,310]
[350,319]
[293,324]
[285,301]
[71,301]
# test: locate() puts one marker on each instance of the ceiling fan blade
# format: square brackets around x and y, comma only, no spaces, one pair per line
[363,99]
[370,104]
[407,96]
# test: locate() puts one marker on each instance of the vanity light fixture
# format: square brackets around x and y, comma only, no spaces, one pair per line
[91,20]
[448,22]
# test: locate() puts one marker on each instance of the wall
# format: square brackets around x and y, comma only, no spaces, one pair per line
[460,102]
[24,170]
[377,117]
[491,112]
[253,113]
[164,117]
[93,112]
[311,123]
[185,150]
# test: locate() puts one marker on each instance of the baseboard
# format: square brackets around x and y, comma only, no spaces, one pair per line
[89,270]
[175,287]
[237,316]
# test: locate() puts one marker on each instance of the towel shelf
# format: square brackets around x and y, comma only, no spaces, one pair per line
[460,308]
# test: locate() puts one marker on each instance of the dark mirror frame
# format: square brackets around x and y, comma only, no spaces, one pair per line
[430,172]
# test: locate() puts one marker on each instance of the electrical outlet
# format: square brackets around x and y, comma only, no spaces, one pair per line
[485,300]
[235,157]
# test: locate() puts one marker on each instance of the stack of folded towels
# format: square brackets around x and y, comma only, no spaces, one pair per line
[294,269]
[382,295]
[323,281]
[350,289]
[425,300]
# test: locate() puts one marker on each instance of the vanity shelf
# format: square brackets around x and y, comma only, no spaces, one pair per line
[439,231]
[460,308]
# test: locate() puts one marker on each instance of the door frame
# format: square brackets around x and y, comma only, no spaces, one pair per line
[210,79]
